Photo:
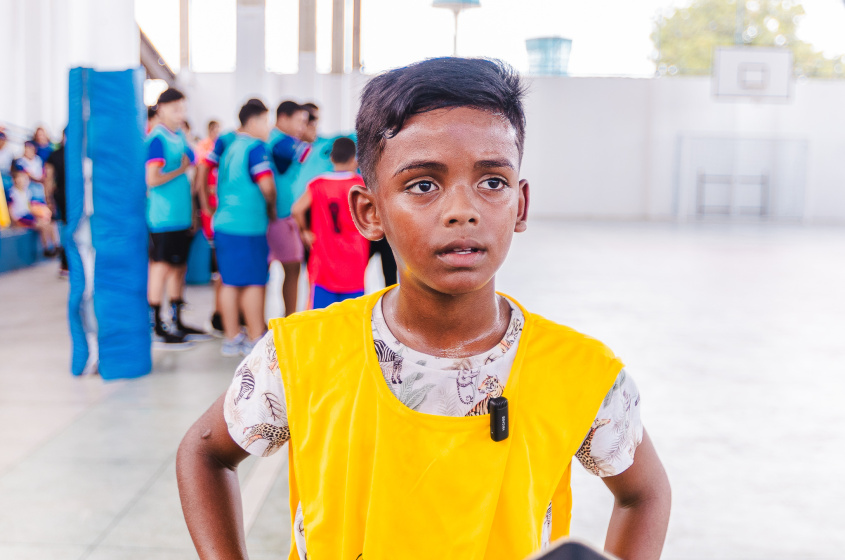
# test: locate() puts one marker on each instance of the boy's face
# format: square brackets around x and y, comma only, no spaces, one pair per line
[21,180]
[172,115]
[293,124]
[448,198]
[29,151]
[258,126]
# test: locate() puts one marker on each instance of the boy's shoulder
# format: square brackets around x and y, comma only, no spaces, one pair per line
[344,310]
[559,334]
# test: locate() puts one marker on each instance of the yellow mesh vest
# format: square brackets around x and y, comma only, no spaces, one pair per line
[379,479]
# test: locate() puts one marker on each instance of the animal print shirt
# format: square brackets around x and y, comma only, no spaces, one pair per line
[255,402]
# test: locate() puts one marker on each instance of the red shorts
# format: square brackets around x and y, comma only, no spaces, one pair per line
[285,243]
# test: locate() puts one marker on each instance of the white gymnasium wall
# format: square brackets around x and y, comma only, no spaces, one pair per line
[607,147]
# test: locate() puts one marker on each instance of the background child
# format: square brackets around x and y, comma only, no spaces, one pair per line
[339,253]
[246,203]
[30,214]
[287,152]
[169,218]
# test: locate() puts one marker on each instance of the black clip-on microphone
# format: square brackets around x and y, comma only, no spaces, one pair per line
[499,424]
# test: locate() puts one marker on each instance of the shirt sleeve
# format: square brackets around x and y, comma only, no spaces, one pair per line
[213,157]
[608,449]
[190,153]
[155,152]
[259,163]
[284,152]
[254,408]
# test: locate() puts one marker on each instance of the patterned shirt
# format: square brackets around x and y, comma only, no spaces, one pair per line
[431,385]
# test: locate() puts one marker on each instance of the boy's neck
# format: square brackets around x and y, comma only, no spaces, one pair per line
[449,326]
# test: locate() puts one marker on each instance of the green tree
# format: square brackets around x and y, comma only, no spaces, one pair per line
[685,38]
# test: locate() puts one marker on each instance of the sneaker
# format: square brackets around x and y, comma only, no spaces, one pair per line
[231,347]
[191,334]
[164,340]
[247,345]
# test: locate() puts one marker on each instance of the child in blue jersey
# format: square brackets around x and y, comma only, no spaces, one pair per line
[169,219]
[287,153]
[246,196]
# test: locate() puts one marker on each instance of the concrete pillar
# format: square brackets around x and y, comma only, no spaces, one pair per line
[249,66]
[184,35]
[356,36]
[308,37]
[338,28]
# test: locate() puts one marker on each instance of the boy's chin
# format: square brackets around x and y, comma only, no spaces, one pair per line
[460,283]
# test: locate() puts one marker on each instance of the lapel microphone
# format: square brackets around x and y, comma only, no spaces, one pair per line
[499,426]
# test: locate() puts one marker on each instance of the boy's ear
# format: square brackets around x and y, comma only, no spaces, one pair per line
[522,212]
[362,203]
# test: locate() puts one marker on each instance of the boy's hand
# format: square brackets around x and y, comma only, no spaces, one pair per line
[308,238]
[641,510]
[186,163]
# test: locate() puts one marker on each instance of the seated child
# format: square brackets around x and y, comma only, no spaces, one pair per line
[26,212]
[339,253]
[436,418]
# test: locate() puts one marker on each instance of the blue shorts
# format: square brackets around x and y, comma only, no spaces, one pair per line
[242,259]
[320,297]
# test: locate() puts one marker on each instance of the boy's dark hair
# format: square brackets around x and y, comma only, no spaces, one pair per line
[312,111]
[151,111]
[212,124]
[30,143]
[287,108]
[392,98]
[343,150]
[252,108]
[169,96]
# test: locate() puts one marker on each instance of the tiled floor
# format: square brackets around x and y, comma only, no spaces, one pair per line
[734,334]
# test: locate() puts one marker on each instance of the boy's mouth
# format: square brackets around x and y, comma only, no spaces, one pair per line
[462,253]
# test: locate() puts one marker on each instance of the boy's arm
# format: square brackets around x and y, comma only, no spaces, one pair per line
[208,487]
[268,188]
[641,508]
[201,186]
[299,211]
[155,177]
[49,184]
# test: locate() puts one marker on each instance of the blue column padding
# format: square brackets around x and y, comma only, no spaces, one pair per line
[118,226]
[74,192]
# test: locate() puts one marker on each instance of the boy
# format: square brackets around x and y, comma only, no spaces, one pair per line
[246,202]
[288,152]
[169,219]
[26,212]
[369,393]
[33,166]
[339,253]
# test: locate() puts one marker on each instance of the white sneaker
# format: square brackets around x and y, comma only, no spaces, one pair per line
[231,347]
[247,345]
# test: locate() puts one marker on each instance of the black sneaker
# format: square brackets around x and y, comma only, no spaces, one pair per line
[163,340]
[190,333]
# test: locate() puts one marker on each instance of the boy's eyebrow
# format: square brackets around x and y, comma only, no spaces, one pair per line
[422,164]
[493,163]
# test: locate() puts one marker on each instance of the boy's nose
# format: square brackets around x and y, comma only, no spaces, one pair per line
[460,206]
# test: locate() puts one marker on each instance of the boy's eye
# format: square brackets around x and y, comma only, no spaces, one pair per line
[422,187]
[494,184]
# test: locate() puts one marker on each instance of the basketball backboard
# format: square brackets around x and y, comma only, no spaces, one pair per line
[758,73]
